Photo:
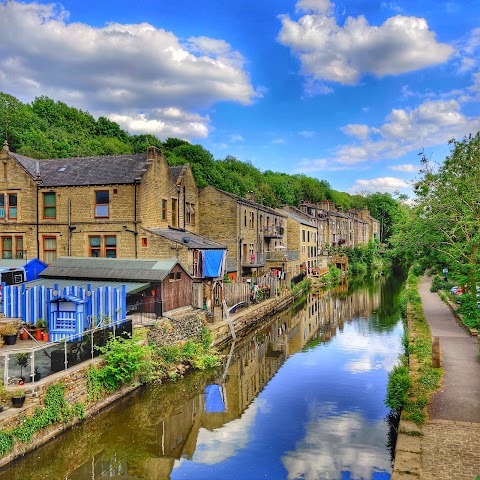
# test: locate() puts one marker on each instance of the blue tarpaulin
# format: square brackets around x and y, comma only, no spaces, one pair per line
[214,399]
[213,263]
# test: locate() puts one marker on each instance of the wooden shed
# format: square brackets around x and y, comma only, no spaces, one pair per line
[165,284]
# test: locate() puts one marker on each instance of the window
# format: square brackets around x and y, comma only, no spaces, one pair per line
[190,213]
[164,209]
[173,276]
[50,205]
[111,246]
[7,247]
[12,247]
[103,246]
[8,206]
[102,200]
[49,249]
[19,251]
[174,212]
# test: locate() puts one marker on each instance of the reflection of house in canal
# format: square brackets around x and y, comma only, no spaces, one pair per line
[254,362]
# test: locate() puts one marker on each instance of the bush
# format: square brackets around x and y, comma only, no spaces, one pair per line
[398,384]
[469,309]
[438,283]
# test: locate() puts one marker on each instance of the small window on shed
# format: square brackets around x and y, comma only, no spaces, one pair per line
[171,276]
[144,242]
[178,275]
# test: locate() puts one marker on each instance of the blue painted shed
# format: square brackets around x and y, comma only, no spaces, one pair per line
[66,316]
[33,268]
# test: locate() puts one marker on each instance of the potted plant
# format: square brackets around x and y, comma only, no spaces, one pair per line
[22,362]
[9,333]
[24,332]
[18,398]
[40,324]
[45,336]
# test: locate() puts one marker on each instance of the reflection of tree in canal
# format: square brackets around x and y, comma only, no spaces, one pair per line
[144,435]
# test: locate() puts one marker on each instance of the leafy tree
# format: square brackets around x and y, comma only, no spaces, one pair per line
[445,222]
[387,210]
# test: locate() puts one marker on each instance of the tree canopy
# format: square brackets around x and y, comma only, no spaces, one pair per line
[444,225]
[49,129]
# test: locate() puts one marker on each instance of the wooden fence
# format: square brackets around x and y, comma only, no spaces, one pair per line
[235,293]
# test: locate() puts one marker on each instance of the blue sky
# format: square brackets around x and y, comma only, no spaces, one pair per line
[349,92]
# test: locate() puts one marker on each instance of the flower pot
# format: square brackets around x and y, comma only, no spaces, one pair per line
[38,334]
[10,339]
[18,402]
[45,336]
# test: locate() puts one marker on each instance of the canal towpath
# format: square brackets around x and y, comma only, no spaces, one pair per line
[447,448]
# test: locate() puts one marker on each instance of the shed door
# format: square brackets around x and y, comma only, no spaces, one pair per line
[197,295]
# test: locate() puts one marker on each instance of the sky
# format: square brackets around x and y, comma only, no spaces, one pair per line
[349,91]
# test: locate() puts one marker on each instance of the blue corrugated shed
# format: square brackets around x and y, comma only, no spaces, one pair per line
[33,268]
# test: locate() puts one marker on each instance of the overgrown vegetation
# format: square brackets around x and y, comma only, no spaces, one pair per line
[366,259]
[412,382]
[130,360]
[55,410]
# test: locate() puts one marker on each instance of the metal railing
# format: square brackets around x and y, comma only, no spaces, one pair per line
[280,255]
[28,365]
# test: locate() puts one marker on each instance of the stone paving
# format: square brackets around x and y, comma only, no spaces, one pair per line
[450,450]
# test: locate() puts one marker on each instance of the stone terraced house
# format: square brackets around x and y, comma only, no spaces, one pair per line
[124,206]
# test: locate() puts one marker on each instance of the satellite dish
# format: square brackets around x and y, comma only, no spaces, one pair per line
[186,239]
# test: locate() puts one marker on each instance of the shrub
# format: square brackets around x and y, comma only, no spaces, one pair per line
[398,383]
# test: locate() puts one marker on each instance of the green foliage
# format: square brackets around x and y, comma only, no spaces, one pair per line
[438,283]
[417,341]
[55,410]
[443,225]
[6,442]
[124,358]
[398,383]
[470,311]
[304,285]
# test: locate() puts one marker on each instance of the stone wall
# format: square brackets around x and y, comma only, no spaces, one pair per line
[169,331]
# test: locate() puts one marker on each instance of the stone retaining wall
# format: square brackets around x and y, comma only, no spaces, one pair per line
[76,391]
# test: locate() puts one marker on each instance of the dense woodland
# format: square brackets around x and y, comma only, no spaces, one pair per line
[49,129]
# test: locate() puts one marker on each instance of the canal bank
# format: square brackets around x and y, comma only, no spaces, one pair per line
[446,447]
[76,385]
[303,397]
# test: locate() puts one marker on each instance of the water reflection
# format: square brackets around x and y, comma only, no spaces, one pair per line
[301,397]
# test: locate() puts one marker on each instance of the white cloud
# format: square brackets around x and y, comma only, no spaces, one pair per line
[331,447]
[236,138]
[383,184]
[168,122]
[215,446]
[407,168]
[343,54]
[118,67]
[306,133]
[432,123]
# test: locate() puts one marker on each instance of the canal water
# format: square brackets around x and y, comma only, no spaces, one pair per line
[302,397]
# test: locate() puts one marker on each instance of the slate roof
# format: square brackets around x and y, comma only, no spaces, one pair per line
[195,241]
[111,269]
[298,218]
[105,170]
[251,203]
[131,287]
